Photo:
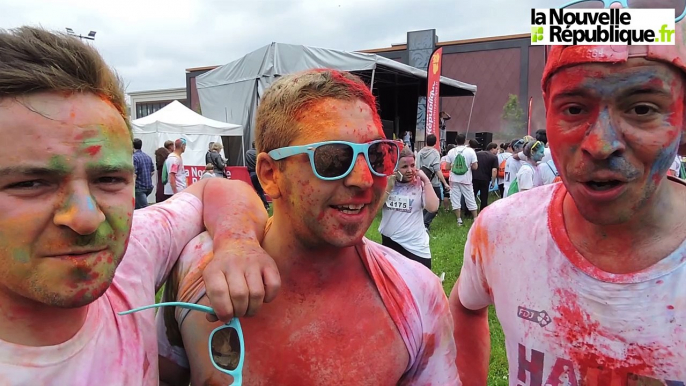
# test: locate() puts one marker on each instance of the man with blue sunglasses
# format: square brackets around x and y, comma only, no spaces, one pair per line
[590,290]
[350,311]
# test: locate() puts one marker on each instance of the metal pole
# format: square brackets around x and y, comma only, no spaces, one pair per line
[371,85]
[470,114]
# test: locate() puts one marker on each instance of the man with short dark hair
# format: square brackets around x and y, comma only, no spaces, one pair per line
[161,155]
[429,161]
[144,169]
[486,173]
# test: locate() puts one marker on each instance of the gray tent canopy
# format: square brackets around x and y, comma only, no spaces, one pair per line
[231,92]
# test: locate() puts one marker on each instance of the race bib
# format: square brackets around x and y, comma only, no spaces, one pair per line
[399,203]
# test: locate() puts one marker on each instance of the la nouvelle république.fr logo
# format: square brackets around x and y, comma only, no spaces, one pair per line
[616,26]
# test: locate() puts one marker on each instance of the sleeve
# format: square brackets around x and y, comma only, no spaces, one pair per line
[174,168]
[474,159]
[151,164]
[161,231]
[437,163]
[165,348]
[473,287]
[435,362]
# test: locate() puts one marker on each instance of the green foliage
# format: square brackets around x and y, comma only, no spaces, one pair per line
[513,117]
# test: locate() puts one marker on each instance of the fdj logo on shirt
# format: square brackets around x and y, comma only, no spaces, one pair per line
[400,203]
[602,27]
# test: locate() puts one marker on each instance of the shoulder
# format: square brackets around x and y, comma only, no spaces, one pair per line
[507,215]
[420,281]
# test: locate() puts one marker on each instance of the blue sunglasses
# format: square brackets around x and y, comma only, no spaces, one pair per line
[679,6]
[333,160]
[219,338]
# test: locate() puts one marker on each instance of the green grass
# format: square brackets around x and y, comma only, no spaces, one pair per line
[447,249]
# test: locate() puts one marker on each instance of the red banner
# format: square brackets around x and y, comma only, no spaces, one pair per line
[433,82]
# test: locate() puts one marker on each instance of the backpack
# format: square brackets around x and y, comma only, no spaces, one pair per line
[459,166]
[514,186]
[501,168]
[165,174]
[554,170]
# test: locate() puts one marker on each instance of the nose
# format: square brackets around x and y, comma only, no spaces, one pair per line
[602,138]
[360,177]
[79,212]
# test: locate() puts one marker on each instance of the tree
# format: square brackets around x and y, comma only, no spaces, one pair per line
[513,117]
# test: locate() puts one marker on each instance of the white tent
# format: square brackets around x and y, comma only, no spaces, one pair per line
[177,121]
[232,92]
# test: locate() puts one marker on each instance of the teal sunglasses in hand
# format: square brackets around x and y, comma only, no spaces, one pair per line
[221,343]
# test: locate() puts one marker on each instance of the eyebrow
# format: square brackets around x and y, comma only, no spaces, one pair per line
[32,171]
[639,89]
[110,169]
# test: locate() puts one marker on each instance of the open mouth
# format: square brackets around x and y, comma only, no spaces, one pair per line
[349,209]
[603,185]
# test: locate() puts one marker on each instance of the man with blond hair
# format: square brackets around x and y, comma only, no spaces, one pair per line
[350,311]
[72,251]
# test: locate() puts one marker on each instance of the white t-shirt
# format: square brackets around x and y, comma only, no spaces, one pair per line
[502,157]
[402,218]
[470,158]
[676,165]
[547,171]
[175,165]
[565,321]
[511,169]
[528,177]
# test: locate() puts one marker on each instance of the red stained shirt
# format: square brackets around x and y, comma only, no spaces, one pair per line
[565,321]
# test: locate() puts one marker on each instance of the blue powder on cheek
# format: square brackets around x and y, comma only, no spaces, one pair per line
[664,159]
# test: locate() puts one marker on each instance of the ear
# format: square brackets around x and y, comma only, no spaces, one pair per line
[268,173]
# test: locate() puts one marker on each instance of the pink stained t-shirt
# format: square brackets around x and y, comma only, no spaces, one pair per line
[114,350]
[412,294]
[566,322]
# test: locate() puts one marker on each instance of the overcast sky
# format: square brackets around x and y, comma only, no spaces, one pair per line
[151,42]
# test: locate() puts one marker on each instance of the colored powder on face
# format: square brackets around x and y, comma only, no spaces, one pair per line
[21,255]
[59,164]
[93,150]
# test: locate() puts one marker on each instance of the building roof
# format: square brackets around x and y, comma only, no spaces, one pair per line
[205,68]
[401,47]
[158,91]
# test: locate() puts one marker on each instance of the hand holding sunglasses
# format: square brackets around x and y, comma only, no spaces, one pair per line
[221,344]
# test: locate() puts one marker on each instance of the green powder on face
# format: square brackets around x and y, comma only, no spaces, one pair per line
[59,163]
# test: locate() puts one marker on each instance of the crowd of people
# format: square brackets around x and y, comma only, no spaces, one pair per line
[586,275]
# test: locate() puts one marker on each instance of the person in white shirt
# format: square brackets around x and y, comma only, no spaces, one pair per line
[461,184]
[528,176]
[503,157]
[209,172]
[408,193]
[591,290]
[512,166]
[675,168]
[547,171]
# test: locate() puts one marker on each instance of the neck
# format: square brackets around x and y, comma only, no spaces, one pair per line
[29,323]
[649,236]
[296,260]
[177,152]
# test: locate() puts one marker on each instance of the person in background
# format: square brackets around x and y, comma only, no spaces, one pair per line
[161,155]
[144,170]
[209,172]
[409,193]
[429,161]
[443,117]
[675,168]
[407,139]
[208,155]
[461,184]
[512,166]
[176,173]
[502,161]
[486,173]
[250,163]
[445,170]
[528,176]
[217,160]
